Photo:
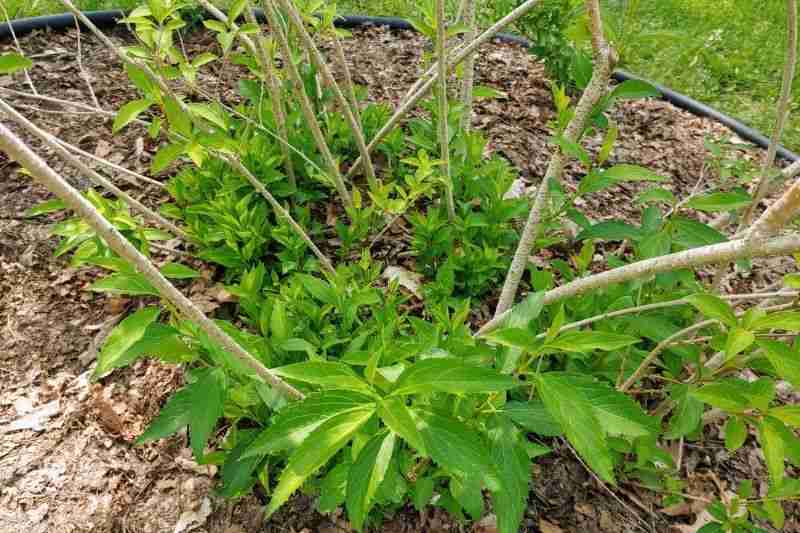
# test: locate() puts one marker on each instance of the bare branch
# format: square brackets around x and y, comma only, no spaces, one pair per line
[17,150]
[444,134]
[10,26]
[469,64]
[79,59]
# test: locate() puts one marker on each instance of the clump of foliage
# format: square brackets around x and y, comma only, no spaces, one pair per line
[348,391]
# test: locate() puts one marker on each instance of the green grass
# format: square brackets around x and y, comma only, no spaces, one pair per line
[726,53]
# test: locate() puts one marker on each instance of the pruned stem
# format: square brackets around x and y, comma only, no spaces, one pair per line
[305,103]
[19,152]
[469,65]
[705,255]
[349,86]
[444,134]
[425,86]
[597,87]
[327,75]
[53,143]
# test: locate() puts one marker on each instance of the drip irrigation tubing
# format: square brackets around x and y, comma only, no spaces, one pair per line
[109,18]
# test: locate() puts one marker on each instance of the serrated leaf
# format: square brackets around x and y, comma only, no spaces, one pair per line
[725,394]
[612,230]
[165,156]
[397,417]
[457,447]
[12,62]
[692,234]
[785,360]
[514,468]
[738,341]
[333,488]
[513,338]
[163,342]
[179,271]
[587,341]
[617,412]
[329,374]
[534,417]
[174,416]
[208,399]
[122,338]
[422,492]
[735,433]
[124,283]
[452,375]
[770,437]
[714,307]
[179,121]
[524,312]
[575,416]
[366,474]
[295,422]
[130,112]
[330,437]
[237,472]
[687,415]
[719,201]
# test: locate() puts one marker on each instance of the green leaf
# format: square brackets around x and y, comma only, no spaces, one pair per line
[165,156]
[738,341]
[579,422]
[788,414]
[422,492]
[457,447]
[576,341]
[522,314]
[514,338]
[692,234]
[735,433]
[295,422]
[770,437]
[122,338]
[366,474]
[617,412]
[208,399]
[50,206]
[612,230]
[719,201]
[785,360]
[179,121]
[784,320]
[656,194]
[687,415]
[12,62]
[327,374]
[631,173]
[319,289]
[724,394]
[467,492]
[124,283]
[160,341]
[533,416]
[330,437]
[130,112]
[179,271]
[633,90]
[790,280]
[333,488]
[452,375]
[514,469]
[714,307]
[237,472]
[397,417]
[174,416]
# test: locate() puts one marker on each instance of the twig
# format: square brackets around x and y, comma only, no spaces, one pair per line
[79,60]
[52,142]
[469,64]
[18,151]
[444,134]
[10,26]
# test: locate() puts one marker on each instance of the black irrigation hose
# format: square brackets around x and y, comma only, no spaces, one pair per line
[110,18]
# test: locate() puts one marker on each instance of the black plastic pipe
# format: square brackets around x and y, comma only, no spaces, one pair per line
[110,18]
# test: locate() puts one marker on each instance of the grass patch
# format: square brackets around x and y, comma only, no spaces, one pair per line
[726,53]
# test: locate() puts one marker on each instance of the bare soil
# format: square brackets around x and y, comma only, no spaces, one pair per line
[67,462]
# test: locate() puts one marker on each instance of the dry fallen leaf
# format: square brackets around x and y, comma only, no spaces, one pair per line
[407,279]
[549,527]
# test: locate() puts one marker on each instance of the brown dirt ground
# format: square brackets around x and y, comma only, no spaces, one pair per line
[75,467]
